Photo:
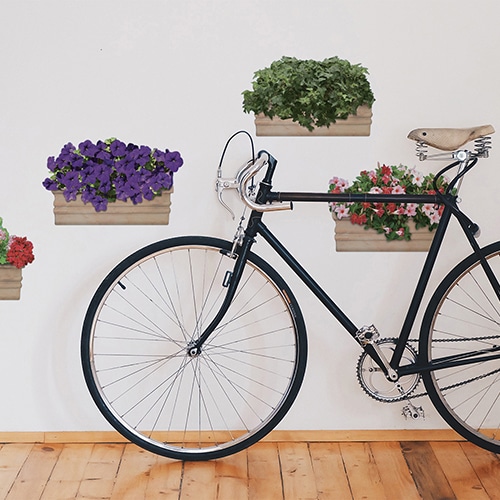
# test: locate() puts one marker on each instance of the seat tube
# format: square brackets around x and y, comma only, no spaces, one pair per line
[421,287]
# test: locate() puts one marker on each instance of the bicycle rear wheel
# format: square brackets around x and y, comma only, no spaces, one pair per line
[135,358]
[462,322]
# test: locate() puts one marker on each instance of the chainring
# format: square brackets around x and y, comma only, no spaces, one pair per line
[373,381]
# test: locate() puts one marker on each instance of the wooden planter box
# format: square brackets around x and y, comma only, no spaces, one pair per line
[355,125]
[153,212]
[10,282]
[355,238]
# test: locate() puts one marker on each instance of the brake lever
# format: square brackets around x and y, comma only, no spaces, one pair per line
[225,183]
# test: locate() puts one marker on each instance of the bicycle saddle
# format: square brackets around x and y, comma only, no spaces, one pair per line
[449,139]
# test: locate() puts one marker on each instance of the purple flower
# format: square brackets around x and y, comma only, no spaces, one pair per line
[100,204]
[159,156]
[163,180]
[118,148]
[173,161]
[88,194]
[89,175]
[50,184]
[147,193]
[51,163]
[87,148]
[104,185]
[136,198]
[75,161]
[70,180]
[125,166]
[70,194]
[105,157]
[141,155]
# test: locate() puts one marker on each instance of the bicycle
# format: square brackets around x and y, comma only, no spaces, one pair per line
[195,347]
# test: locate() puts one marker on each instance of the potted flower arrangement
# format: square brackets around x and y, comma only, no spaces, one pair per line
[308,97]
[16,252]
[104,182]
[394,223]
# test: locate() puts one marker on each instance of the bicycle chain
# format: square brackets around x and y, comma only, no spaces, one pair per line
[486,337]
[458,384]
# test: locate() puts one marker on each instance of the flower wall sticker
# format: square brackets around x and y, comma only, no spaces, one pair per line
[15,250]
[390,219]
[111,170]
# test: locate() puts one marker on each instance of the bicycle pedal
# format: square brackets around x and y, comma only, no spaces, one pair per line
[413,412]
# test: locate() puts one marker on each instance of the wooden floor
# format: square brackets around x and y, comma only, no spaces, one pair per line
[284,470]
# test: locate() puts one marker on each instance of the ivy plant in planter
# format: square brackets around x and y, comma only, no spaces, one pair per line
[310,93]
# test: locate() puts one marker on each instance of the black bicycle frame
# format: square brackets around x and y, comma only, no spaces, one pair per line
[256,227]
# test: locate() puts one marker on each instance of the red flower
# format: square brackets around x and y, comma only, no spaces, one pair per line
[358,219]
[386,170]
[20,252]
[391,208]
[379,209]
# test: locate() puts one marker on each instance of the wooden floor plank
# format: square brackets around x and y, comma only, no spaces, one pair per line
[362,472]
[427,473]
[394,472]
[164,480]
[328,467]
[101,471]
[297,471]
[232,476]
[199,481]
[68,472]
[264,473]
[35,472]
[459,471]
[12,458]
[133,474]
[487,467]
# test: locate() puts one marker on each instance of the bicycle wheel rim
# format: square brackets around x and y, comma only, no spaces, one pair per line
[464,318]
[182,406]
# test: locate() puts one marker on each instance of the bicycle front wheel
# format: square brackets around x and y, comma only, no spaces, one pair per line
[136,360]
[461,331]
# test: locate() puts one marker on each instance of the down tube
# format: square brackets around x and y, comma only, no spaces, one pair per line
[307,279]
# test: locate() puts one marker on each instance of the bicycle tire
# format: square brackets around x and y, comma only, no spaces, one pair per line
[134,350]
[463,317]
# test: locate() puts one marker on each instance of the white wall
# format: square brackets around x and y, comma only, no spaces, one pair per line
[170,74]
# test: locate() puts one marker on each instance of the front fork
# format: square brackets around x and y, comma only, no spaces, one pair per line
[194,347]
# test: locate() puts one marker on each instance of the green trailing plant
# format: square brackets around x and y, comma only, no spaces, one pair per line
[311,93]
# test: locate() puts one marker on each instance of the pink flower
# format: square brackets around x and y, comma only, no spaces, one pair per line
[411,209]
[418,178]
[435,217]
[400,232]
[340,184]
[341,211]
[428,209]
[398,190]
